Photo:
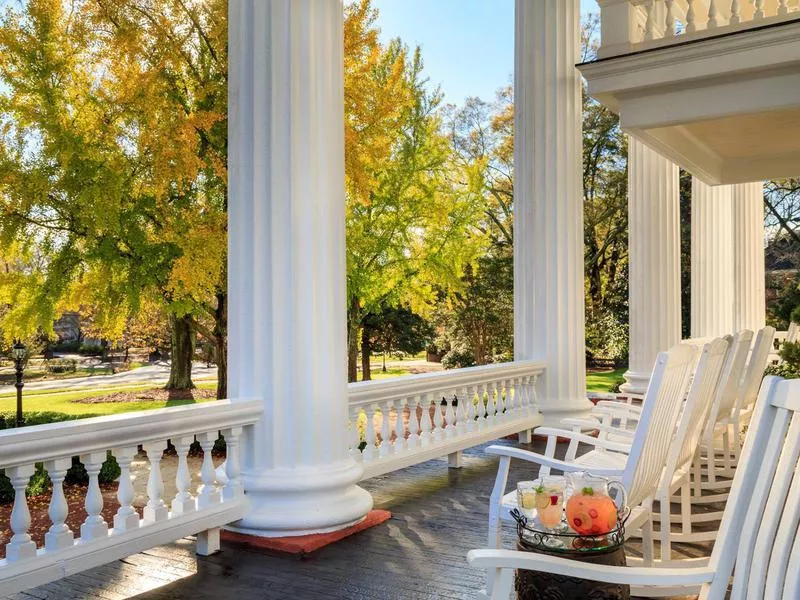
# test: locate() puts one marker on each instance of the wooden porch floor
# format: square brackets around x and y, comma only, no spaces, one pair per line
[438,514]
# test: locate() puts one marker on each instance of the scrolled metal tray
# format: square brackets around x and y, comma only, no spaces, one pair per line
[566,540]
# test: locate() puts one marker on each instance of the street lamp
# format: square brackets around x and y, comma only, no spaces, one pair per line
[18,353]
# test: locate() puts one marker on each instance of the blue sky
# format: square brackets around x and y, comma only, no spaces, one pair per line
[467,45]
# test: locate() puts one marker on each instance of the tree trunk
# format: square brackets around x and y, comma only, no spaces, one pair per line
[221,344]
[353,323]
[366,349]
[384,362]
[180,369]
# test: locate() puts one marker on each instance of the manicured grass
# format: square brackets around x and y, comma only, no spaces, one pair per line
[64,401]
[377,372]
[603,381]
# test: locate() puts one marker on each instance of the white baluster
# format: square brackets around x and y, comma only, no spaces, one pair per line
[126,518]
[94,527]
[460,410]
[783,7]
[183,502]
[21,547]
[483,405]
[438,419]
[534,396]
[233,489]
[414,425]
[759,12]
[450,416]
[386,430]
[209,494]
[354,413]
[669,19]
[691,17]
[425,420]
[469,409]
[649,26]
[511,397]
[155,510]
[60,535]
[400,442]
[713,15]
[369,433]
[491,405]
[736,12]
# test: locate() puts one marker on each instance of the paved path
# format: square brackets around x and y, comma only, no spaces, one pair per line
[155,374]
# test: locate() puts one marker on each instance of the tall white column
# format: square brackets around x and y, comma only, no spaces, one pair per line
[287,334]
[548,203]
[654,248]
[712,260]
[749,295]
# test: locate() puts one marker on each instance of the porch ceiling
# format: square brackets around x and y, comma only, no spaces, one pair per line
[725,108]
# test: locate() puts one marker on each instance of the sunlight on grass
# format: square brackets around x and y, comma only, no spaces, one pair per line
[64,401]
[603,381]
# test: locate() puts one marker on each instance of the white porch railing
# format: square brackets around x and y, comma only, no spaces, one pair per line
[634,25]
[26,565]
[405,421]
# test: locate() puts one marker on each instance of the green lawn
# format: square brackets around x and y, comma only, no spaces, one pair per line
[377,372]
[64,401]
[603,381]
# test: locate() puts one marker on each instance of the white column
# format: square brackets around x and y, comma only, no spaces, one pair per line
[548,198]
[287,335]
[712,260]
[749,294]
[655,253]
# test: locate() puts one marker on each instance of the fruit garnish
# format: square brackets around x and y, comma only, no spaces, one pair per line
[528,499]
[593,513]
[539,490]
[542,501]
[587,491]
[553,499]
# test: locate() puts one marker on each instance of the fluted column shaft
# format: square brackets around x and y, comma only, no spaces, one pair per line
[287,264]
[654,257]
[749,295]
[712,260]
[548,209]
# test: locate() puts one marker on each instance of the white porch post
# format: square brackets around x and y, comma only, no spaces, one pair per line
[548,203]
[749,310]
[712,260]
[654,250]
[287,335]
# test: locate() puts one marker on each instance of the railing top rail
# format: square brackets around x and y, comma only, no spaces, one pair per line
[98,434]
[368,392]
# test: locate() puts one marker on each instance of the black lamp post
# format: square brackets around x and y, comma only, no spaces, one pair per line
[19,352]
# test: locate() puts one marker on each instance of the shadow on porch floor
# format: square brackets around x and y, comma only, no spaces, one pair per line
[438,515]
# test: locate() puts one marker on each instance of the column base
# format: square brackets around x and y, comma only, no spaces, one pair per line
[635,382]
[553,413]
[302,501]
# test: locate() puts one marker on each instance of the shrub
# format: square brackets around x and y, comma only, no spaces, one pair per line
[61,365]
[458,358]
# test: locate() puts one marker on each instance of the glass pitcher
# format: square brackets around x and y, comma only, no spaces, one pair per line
[590,508]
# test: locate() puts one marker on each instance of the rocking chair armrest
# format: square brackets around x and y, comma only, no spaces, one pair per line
[548,461]
[649,576]
[617,407]
[592,424]
[583,439]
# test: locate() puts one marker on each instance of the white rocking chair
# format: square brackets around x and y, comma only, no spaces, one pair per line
[758,536]
[638,466]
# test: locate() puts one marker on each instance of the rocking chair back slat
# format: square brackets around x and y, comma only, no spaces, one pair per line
[732,376]
[663,400]
[748,391]
[759,505]
[711,375]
